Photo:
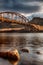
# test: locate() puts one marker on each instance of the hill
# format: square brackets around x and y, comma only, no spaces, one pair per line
[37,21]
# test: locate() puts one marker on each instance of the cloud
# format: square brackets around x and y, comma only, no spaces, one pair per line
[26,8]
[23,6]
[28,0]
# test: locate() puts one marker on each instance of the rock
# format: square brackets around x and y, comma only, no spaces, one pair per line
[38,52]
[10,55]
[25,50]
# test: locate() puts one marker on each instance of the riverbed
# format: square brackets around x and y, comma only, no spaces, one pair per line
[33,42]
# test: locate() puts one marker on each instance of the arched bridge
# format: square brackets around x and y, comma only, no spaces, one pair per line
[14,17]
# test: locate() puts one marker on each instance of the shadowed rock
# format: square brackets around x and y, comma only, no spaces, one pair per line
[25,50]
[38,52]
[10,55]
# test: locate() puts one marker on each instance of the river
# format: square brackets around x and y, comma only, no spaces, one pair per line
[30,41]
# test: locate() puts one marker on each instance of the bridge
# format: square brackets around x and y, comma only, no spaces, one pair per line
[13,17]
[16,18]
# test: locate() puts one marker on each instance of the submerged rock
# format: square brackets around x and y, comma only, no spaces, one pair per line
[10,55]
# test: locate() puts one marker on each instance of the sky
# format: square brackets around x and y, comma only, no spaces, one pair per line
[25,7]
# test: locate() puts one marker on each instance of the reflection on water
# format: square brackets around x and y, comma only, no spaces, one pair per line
[32,42]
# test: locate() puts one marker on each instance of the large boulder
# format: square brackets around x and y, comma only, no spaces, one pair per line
[10,55]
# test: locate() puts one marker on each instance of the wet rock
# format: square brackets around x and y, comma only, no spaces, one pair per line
[10,55]
[25,50]
[38,52]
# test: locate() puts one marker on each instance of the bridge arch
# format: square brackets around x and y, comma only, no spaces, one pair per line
[14,16]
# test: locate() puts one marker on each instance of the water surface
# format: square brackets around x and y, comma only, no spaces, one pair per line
[32,42]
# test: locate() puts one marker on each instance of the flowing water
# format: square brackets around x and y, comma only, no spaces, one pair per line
[33,42]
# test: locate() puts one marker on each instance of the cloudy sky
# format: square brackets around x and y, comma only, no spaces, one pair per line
[25,7]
